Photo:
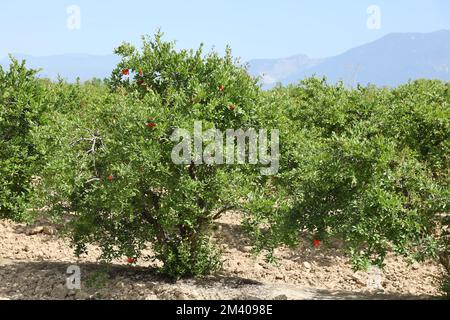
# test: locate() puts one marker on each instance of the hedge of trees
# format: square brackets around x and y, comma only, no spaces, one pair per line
[366,165]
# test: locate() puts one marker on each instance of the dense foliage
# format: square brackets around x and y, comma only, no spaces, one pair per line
[111,157]
[22,103]
[369,166]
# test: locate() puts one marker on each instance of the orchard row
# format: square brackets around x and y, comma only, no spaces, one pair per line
[366,165]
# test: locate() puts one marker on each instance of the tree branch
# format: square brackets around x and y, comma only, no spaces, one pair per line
[222,211]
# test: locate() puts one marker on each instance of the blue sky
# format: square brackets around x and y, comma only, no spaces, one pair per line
[254,28]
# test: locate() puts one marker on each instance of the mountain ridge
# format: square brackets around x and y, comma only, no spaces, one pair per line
[389,61]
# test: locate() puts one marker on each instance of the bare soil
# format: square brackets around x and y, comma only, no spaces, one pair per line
[34,261]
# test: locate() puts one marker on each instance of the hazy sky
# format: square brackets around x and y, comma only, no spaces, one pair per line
[254,28]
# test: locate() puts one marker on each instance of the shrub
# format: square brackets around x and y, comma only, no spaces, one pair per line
[369,166]
[22,104]
[111,164]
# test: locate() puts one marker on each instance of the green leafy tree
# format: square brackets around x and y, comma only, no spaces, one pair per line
[112,167]
[369,166]
[22,105]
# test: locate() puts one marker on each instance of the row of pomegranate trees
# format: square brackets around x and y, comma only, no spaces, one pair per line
[369,166]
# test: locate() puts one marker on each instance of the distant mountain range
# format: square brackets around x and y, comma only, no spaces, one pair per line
[272,71]
[389,61]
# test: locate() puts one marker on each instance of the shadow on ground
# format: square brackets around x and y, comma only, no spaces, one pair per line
[47,280]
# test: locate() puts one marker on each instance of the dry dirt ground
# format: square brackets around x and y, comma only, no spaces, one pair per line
[34,262]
